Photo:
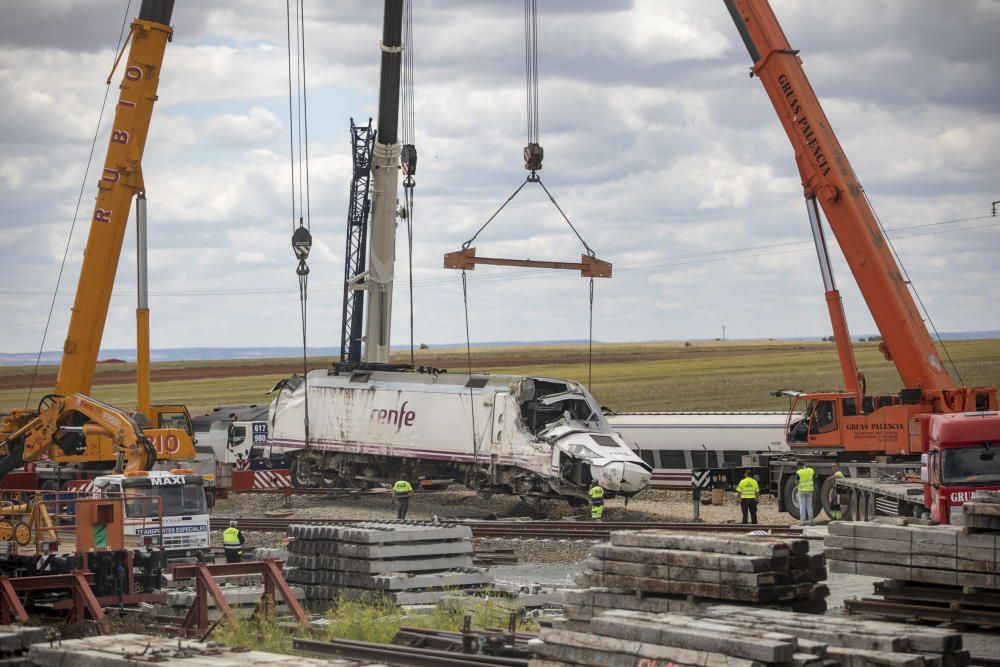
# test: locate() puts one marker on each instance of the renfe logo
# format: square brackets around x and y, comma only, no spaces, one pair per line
[399,418]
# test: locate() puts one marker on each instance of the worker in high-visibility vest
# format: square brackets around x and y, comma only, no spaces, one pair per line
[748,489]
[805,484]
[401,491]
[835,508]
[596,501]
[232,541]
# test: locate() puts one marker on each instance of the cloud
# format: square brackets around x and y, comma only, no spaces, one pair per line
[668,159]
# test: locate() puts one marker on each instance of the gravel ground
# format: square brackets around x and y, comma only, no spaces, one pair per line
[458,502]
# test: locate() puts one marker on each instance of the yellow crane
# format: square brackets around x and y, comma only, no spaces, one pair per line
[69,426]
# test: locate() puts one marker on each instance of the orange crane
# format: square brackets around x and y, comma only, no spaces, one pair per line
[68,426]
[848,423]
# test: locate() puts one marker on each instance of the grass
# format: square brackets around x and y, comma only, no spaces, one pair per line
[705,375]
[371,621]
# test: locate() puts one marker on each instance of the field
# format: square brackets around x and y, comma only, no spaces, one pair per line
[703,375]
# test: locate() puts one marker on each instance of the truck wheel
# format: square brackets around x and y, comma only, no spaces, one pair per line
[826,490]
[853,514]
[791,497]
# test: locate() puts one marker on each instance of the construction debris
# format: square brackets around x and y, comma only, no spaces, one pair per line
[739,636]
[406,562]
[666,571]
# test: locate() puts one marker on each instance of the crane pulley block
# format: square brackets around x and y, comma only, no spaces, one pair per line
[588,266]
[533,155]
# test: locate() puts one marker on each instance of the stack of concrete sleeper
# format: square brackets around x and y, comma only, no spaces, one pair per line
[406,562]
[946,555]
[739,636]
[982,513]
[666,571]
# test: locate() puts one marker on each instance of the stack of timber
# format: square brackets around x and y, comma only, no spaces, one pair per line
[934,573]
[405,561]
[739,636]
[674,571]
[982,513]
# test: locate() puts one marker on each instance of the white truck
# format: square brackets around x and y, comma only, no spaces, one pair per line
[538,438]
[181,498]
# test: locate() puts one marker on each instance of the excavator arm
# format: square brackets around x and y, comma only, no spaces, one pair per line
[63,427]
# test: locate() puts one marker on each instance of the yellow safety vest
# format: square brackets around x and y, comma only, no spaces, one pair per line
[596,492]
[805,479]
[231,536]
[748,488]
[838,474]
[402,488]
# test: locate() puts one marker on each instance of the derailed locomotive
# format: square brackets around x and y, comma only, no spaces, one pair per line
[538,438]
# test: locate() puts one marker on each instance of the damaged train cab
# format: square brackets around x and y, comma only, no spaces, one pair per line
[532,437]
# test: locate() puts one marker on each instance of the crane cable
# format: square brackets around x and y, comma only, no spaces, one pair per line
[409,151]
[298,133]
[533,158]
[76,211]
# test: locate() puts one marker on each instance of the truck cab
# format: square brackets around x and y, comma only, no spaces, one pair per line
[178,494]
[960,455]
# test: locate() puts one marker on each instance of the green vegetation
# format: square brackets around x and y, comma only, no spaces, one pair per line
[702,375]
[375,621]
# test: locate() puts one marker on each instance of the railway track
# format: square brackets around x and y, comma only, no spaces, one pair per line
[527,529]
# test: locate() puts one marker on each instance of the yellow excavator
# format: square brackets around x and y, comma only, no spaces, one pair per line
[69,426]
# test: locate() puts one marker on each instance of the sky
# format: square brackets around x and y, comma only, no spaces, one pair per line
[666,156]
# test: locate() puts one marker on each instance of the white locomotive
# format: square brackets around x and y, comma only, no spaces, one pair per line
[527,436]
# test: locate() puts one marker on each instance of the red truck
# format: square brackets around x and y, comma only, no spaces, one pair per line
[960,455]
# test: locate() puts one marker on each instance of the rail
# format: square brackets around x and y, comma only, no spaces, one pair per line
[526,529]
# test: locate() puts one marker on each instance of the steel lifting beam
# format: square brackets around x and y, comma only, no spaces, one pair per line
[589,267]
[204,576]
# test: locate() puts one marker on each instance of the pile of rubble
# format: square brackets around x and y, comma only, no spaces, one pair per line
[674,571]
[406,562]
[739,636]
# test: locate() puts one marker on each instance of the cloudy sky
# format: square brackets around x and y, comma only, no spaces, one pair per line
[667,157]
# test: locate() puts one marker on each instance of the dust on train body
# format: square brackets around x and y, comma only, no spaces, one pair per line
[527,436]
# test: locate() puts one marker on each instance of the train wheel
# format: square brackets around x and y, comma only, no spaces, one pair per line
[302,474]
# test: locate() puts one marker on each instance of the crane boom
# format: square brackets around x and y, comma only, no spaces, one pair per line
[385,163]
[828,176]
[120,180]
